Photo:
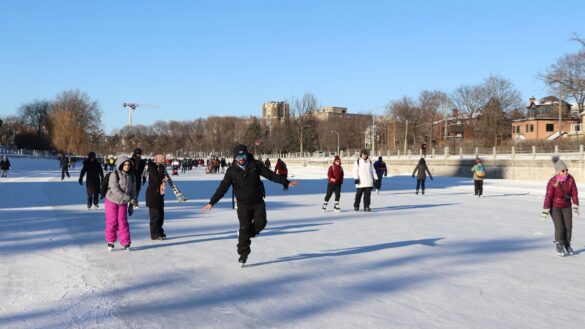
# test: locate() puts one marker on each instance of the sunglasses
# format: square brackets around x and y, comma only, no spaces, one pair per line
[565,170]
[241,157]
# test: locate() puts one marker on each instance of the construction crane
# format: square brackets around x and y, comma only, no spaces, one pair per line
[132,106]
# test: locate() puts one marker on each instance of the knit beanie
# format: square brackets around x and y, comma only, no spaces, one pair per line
[240,149]
[336,158]
[559,164]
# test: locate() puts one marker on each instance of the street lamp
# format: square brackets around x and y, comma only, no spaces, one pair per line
[405,136]
[335,132]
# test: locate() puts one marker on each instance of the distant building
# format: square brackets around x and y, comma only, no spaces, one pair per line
[542,121]
[274,111]
[334,112]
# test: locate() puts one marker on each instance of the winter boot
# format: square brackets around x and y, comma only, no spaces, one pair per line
[560,249]
[324,206]
[110,246]
[568,248]
[336,207]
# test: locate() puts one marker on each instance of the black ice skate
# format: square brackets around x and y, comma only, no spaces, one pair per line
[110,246]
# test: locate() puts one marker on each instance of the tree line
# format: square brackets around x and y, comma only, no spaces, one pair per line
[72,122]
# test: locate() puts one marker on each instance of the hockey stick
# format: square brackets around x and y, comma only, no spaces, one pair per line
[180,197]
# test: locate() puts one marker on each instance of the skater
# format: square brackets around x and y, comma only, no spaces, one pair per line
[267,163]
[364,179]
[155,196]
[121,192]
[95,175]
[5,166]
[381,170]
[421,176]
[65,162]
[138,170]
[280,169]
[244,177]
[423,148]
[478,171]
[560,191]
[334,182]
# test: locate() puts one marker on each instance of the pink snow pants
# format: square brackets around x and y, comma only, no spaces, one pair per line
[117,223]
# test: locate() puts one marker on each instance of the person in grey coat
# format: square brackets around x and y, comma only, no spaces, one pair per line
[121,192]
[421,171]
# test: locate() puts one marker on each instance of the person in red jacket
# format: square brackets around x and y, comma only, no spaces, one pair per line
[560,191]
[334,181]
[280,169]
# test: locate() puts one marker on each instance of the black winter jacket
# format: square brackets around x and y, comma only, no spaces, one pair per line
[4,165]
[247,185]
[139,165]
[156,174]
[94,171]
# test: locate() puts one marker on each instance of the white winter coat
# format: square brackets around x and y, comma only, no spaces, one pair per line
[365,172]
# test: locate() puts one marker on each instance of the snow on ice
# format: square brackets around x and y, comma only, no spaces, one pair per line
[442,260]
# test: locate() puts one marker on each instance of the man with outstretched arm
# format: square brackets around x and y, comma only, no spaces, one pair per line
[244,176]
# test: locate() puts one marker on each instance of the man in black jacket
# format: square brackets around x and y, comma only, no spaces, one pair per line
[139,165]
[155,196]
[244,176]
[95,175]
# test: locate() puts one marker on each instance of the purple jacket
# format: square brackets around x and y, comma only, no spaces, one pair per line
[555,195]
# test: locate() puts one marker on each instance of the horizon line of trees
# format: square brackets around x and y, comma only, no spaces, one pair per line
[72,122]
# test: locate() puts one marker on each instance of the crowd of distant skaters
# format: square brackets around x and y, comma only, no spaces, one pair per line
[125,176]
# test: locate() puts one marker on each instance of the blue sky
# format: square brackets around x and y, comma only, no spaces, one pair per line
[199,58]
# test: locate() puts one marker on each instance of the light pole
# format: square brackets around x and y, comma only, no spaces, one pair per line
[335,132]
[405,136]
[560,116]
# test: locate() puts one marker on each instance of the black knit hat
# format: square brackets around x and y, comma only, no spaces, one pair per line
[240,149]
[91,155]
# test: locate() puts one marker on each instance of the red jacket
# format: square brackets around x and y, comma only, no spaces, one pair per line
[280,168]
[335,172]
[555,193]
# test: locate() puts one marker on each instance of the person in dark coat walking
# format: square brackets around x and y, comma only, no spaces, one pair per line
[4,166]
[561,190]
[65,163]
[155,196]
[267,163]
[244,176]
[95,175]
[334,182]
[421,171]
[138,170]
[381,170]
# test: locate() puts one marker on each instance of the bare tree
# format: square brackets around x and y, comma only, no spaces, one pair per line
[76,122]
[566,77]
[304,122]
[36,115]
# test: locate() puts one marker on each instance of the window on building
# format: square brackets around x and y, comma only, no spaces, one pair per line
[550,127]
[531,128]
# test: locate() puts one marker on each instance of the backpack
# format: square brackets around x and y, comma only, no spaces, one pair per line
[104,186]
[480,171]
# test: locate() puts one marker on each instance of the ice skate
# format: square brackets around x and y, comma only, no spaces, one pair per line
[324,207]
[110,246]
[336,207]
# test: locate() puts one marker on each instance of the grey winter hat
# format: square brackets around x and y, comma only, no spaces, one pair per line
[559,164]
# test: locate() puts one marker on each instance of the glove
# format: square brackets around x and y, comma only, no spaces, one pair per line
[431,178]
[80,182]
[130,209]
[576,210]
[412,176]
[143,180]
[544,214]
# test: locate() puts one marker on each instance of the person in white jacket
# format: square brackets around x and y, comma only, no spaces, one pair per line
[364,176]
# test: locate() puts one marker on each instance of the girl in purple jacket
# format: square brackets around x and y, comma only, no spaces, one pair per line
[560,191]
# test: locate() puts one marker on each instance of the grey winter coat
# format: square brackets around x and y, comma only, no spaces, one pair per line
[122,191]
[422,171]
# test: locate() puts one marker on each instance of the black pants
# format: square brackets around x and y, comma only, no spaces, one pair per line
[252,219]
[378,183]
[93,193]
[420,183]
[563,219]
[333,188]
[65,171]
[478,184]
[157,219]
[138,186]
[366,191]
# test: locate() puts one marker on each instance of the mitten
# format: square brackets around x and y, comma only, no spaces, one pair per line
[143,180]
[544,214]
[412,176]
[576,210]
[130,209]
[80,182]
